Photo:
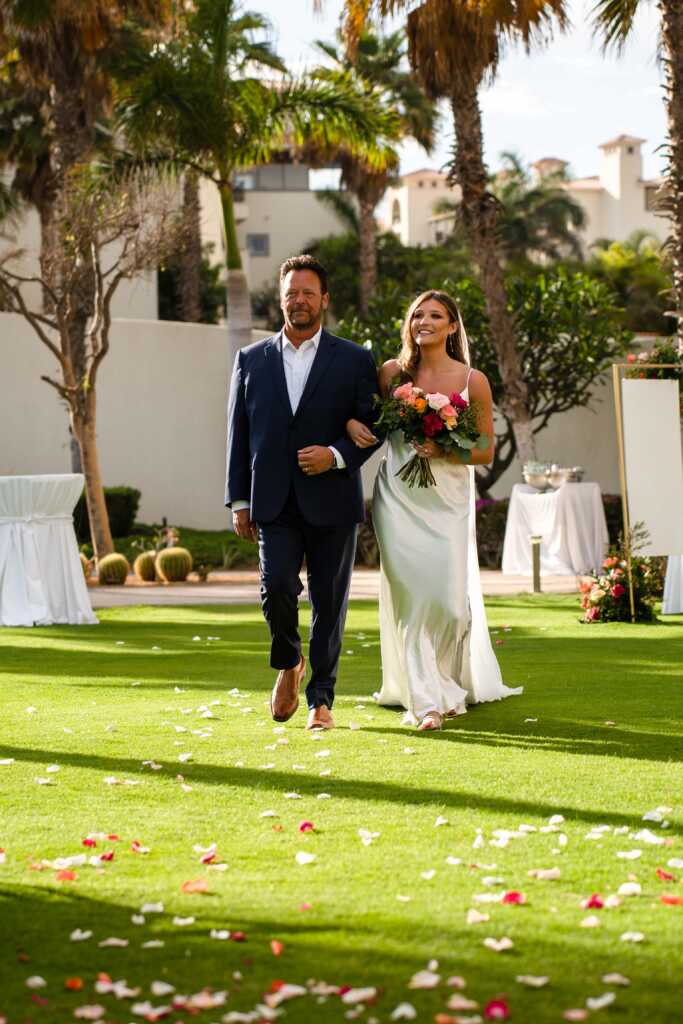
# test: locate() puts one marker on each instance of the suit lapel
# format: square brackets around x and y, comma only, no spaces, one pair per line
[273,352]
[321,364]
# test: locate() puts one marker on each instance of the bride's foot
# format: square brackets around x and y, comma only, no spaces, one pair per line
[431,722]
[459,709]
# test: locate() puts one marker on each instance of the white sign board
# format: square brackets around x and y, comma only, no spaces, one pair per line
[654,462]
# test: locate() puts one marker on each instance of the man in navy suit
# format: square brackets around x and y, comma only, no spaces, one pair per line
[293,479]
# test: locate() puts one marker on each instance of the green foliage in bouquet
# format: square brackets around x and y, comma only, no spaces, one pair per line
[605,593]
[113,569]
[174,564]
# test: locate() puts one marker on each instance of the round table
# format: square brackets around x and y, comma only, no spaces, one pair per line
[41,577]
[570,521]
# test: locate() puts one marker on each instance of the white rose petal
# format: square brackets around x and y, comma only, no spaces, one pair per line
[600,1002]
[632,937]
[615,979]
[35,981]
[532,980]
[629,854]
[404,1011]
[424,979]
[630,889]
[499,945]
[304,858]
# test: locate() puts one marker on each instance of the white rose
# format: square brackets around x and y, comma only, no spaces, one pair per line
[437,401]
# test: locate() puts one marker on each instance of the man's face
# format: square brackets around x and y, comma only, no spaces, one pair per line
[302,300]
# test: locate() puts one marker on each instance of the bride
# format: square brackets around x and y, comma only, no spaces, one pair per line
[436,651]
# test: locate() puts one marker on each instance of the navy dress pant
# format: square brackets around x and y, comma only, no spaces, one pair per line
[329,552]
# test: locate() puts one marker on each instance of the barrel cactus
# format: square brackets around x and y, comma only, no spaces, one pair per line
[113,569]
[173,564]
[85,565]
[144,567]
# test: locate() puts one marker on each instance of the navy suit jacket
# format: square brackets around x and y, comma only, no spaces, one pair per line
[264,434]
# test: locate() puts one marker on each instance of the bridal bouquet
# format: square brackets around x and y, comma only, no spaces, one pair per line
[449,421]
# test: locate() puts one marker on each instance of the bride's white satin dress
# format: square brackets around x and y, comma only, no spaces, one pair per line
[435,644]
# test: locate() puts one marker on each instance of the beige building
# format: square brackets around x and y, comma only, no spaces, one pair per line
[278,213]
[617,201]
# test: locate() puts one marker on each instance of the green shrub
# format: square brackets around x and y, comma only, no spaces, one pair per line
[173,564]
[122,507]
[144,567]
[491,519]
[113,569]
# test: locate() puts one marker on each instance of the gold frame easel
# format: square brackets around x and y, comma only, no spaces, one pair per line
[618,409]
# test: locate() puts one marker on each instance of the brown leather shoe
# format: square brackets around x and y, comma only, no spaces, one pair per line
[284,699]
[320,718]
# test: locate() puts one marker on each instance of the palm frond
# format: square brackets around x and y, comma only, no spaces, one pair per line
[342,206]
[613,20]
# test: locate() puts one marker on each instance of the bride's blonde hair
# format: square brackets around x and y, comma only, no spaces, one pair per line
[409,356]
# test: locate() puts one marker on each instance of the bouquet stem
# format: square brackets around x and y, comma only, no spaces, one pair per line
[417,472]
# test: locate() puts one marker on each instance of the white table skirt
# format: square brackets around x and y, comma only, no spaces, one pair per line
[672,603]
[571,521]
[41,578]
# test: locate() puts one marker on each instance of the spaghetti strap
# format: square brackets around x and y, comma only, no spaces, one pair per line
[467,382]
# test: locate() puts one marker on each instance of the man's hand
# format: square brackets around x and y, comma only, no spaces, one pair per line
[243,525]
[315,459]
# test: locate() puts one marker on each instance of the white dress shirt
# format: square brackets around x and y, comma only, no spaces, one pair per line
[297,363]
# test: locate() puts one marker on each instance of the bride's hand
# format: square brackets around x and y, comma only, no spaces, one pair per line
[361,435]
[428,450]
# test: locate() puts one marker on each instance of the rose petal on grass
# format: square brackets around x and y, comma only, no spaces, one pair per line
[545,874]
[292,796]
[594,902]
[302,857]
[575,1014]
[92,1011]
[161,988]
[591,922]
[424,979]
[646,836]
[632,937]
[497,1009]
[458,1002]
[615,979]
[404,1011]
[499,945]
[353,996]
[440,821]
[276,947]
[600,1002]
[66,875]
[513,897]
[113,942]
[78,935]
[152,908]
[475,917]
[533,980]
[183,922]
[35,982]
[630,889]
[675,862]
[306,826]
[629,854]
[195,885]
[670,900]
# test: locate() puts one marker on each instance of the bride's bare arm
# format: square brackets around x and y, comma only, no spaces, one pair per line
[387,372]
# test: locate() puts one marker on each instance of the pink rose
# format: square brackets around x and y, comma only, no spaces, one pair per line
[617,590]
[432,424]
[592,614]
[436,401]
[404,392]
[458,401]
[447,412]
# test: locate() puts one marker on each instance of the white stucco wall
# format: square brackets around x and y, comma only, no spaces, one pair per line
[162,420]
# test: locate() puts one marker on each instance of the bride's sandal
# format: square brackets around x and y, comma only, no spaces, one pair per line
[431,722]
[459,709]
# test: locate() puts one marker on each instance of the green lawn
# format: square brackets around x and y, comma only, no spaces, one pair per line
[108,698]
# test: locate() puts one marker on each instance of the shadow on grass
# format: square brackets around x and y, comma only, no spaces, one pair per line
[351,789]
[351,949]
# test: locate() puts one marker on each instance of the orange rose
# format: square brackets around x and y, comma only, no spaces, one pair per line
[420,404]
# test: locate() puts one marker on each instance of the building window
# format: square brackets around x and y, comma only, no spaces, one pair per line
[420,183]
[434,184]
[395,212]
[258,245]
[651,197]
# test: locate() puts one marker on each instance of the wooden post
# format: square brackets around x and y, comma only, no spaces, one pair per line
[536,562]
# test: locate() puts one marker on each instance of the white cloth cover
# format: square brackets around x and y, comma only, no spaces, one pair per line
[672,603]
[41,578]
[571,521]
[436,649]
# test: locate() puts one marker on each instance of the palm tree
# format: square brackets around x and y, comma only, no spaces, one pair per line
[199,100]
[455,46]
[536,219]
[377,65]
[61,49]
[614,19]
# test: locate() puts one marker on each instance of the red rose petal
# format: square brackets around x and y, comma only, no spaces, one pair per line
[276,947]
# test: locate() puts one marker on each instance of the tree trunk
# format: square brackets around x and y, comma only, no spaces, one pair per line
[83,425]
[190,258]
[239,298]
[672,35]
[479,212]
[367,253]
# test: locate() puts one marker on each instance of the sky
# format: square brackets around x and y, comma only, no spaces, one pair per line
[563,101]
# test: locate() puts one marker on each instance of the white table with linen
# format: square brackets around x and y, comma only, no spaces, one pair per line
[672,602]
[570,521]
[41,577]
